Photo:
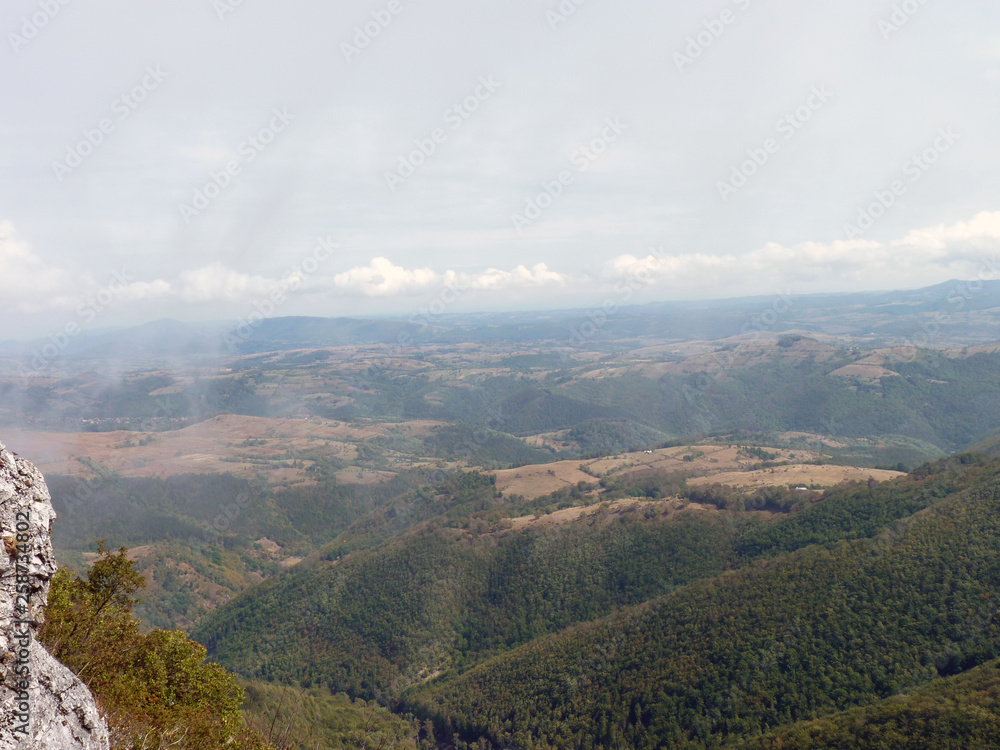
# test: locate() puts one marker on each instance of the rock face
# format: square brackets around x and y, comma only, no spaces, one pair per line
[43,705]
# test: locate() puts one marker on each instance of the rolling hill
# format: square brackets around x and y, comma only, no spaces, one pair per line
[641,629]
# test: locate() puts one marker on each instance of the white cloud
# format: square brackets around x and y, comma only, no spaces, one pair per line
[382,278]
[965,249]
[145,291]
[495,279]
[27,283]
[966,239]
[216,282]
[13,251]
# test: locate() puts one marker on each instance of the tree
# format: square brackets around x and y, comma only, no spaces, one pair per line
[154,689]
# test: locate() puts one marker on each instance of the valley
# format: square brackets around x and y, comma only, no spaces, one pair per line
[498,536]
[552,375]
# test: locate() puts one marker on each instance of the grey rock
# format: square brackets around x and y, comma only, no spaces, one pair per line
[63,713]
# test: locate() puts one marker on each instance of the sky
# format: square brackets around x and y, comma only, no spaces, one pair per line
[206,159]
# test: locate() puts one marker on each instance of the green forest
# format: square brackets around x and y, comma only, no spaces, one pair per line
[950,713]
[691,630]
[819,630]
[388,564]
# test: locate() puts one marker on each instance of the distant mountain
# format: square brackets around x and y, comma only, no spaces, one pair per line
[892,316]
[163,339]
[275,334]
[956,312]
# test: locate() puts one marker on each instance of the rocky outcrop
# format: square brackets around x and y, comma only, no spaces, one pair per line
[43,705]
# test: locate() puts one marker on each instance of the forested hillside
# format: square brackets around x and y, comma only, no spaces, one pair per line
[298,719]
[154,689]
[820,630]
[953,713]
[201,538]
[851,598]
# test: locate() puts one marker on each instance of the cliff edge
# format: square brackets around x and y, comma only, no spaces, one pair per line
[43,705]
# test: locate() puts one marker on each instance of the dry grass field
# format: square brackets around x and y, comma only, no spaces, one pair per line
[225,444]
[718,464]
[540,479]
[798,475]
[864,372]
[624,507]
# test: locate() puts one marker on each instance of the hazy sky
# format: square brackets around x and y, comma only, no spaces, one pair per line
[194,158]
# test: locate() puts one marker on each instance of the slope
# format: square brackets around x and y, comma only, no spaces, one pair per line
[817,631]
[951,713]
[372,617]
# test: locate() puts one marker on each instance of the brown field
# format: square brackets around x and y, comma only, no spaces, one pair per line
[550,440]
[864,372]
[670,460]
[982,349]
[799,475]
[889,356]
[541,479]
[225,444]
[568,515]
[625,506]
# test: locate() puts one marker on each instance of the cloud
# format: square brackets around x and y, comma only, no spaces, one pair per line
[495,279]
[381,277]
[145,291]
[13,251]
[215,282]
[965,249]
[966,239]
[27,283]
